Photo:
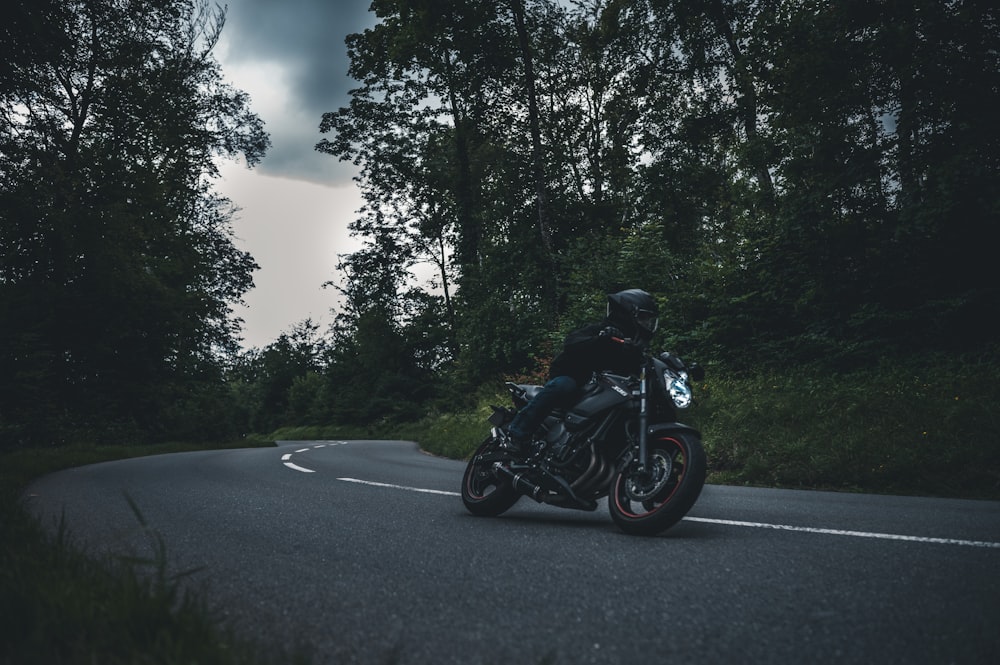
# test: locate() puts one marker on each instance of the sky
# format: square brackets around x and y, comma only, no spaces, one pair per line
[290,57]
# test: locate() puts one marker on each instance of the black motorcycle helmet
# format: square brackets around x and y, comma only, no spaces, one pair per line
[633,311]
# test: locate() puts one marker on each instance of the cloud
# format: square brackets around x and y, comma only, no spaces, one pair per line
[295,230]
[291,58]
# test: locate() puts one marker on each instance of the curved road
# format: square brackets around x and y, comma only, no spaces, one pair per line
[363,552]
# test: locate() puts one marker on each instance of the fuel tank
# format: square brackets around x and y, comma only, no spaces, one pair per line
[606,392]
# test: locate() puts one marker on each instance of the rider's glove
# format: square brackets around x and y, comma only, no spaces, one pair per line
[611,331]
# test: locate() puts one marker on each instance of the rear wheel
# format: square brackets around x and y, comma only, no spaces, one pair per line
[483,492]
[652,500]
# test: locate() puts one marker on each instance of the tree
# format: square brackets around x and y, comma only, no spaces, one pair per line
[799,181]
[118,262]
[871,105]
[281,384]
[377,368]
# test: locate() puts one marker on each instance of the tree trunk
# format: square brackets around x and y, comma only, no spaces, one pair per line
[748,97]
[537,162]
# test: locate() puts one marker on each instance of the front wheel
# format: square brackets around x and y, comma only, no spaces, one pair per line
[646,502]
[483,492]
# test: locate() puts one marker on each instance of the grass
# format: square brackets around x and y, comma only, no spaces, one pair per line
[927,430]
[58,605]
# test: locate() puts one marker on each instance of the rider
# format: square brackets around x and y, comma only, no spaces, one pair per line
[632,315]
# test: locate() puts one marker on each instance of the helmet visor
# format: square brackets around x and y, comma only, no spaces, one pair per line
[647,320]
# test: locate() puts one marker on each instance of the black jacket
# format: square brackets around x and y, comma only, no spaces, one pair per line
[585,351]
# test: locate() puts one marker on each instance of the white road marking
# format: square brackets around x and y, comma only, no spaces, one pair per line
[296,467]
[758,525]
[754,525]
[398,487]
[855,534]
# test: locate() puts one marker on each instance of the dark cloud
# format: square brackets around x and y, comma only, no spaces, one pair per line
[305,40]
[306,35]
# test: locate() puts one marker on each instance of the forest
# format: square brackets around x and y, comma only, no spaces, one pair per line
[799,183]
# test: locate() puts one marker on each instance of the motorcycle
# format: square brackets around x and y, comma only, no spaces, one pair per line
[621,439]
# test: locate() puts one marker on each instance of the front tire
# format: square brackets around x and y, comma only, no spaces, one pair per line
[648,503]
[483,492]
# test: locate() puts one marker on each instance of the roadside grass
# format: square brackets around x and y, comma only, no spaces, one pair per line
[60,605]
[924,430]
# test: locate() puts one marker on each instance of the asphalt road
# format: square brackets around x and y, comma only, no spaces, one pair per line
[361,552]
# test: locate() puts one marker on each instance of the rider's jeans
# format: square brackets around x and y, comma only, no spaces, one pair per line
[556,392]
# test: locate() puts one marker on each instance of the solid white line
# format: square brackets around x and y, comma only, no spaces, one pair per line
[398,487]
[298,468]
[757,525]
[855,534]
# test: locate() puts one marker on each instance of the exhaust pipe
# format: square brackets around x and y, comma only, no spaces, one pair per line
[566,499]
[520,483]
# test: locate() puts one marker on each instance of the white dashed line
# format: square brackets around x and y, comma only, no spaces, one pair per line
[399,487]
[296,467]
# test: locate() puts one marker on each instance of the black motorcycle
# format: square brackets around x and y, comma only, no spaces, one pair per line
[621,439]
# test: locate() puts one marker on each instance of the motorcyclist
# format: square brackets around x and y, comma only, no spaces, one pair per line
[614,344]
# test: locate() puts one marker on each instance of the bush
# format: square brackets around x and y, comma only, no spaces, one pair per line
[926,428]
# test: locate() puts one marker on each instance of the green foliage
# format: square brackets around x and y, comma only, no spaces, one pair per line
[797,186]
[925,427]
[457,434]
[795,183]
[118,265]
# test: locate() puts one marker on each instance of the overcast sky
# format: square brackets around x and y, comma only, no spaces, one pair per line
[290,56]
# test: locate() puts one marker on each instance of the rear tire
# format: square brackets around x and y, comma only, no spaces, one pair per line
[483,492]
[646,504]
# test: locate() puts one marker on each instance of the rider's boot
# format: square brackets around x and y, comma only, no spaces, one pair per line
[523,446]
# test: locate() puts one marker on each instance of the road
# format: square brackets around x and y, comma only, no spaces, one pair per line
[361,552]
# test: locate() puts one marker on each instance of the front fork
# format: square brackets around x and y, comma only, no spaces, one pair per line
[643,417]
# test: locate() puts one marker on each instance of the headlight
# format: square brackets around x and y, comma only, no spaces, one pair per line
[679,388]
